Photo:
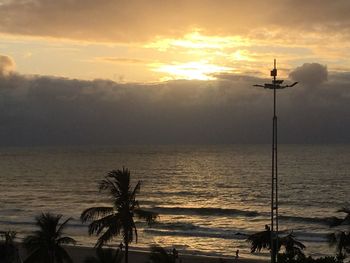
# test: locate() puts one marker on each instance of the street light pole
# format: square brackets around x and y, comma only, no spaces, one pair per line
[276,84]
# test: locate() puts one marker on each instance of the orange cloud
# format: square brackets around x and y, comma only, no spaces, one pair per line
[135,20]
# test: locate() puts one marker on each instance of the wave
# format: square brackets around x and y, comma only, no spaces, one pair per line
[204,211]
[225,234]
[302,219]
[192,230]
[73,223]
[212,211]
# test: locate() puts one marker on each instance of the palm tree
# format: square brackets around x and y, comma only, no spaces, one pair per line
[293,247]
[160,255]
[8,250]
[45,244]
[106,256]
[118,219]
[262,240]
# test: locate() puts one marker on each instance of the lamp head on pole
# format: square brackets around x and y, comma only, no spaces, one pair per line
[276,83]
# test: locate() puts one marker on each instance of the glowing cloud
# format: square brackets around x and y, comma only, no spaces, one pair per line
[200,70]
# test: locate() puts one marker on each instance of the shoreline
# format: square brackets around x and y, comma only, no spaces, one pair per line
[79,253]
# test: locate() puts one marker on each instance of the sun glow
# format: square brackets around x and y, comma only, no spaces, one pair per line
[197,56]
[201,70]
[195,40]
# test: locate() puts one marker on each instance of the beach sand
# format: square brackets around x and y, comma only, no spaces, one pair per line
[79,253]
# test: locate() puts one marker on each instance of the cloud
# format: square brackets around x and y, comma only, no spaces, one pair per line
[311,74]
[134,20]
[7,65]
[121,60]
[42,110]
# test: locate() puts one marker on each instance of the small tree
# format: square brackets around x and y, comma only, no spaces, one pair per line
[45,244]
[8,250]
[262,240]
[111,221]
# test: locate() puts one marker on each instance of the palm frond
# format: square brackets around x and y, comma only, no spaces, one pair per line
[259,241]
[110,185]
[97,226]
[136,190]
[95,213]
[62,226]
[107,236]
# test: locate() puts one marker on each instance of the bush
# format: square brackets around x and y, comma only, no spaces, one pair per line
[283,258]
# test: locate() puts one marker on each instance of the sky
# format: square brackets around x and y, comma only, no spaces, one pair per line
[162,71]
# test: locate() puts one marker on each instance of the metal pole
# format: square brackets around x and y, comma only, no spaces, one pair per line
[274,190]
[276,84]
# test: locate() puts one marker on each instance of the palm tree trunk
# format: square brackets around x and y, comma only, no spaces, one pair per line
[126,252]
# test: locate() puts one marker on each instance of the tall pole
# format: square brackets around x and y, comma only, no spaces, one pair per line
[274,177]
[276,84]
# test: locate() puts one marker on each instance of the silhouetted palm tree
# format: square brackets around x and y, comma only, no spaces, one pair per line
[8,250]
[160,255]
[106,256]
[45,244]
[118,219]
[293,247]
[262,240]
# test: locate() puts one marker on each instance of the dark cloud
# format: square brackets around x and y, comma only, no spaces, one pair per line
[311,74]
[38,110]
[135,20]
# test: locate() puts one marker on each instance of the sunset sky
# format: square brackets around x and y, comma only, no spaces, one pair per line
[147,41]
[187,63]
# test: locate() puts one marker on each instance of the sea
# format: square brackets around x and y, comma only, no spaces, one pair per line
[209,197]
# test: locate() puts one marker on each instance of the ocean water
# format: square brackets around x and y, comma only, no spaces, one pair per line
[208,197]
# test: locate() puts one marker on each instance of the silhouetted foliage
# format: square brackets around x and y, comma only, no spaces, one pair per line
[283,258]
[160,255]
[108,222]
[8,250]
[106,256]
[45,244]
[293,248]
[262,240]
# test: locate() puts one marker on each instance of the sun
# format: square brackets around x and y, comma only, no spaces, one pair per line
[197,56]
[200,70]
